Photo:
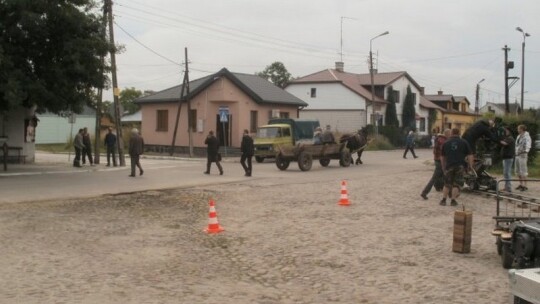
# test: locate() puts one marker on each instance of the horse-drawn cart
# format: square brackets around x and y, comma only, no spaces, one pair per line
[305,153]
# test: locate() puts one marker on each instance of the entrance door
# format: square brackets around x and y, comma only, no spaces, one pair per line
[223,131]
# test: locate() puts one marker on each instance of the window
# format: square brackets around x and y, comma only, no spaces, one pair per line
[313,92]
[253,122]
[162,121]
[414,98]
[193,120]
[422,125]
[396,96]
[283,114]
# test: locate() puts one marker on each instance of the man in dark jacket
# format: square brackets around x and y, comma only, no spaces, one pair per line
[110,143]
[247,152]
[456,157]
[79,146]
[87,151]
[479,129]
[212,152]
[136,149]
[508,153]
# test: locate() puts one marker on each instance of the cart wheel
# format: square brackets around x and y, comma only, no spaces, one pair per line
[259,159]
[305,160]
[282,163]
[499,245]
[345,158]
[507,257]
[324,162]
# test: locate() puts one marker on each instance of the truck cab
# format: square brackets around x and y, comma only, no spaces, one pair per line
[279,132]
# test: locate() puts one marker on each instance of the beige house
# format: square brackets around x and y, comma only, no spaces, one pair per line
[224,102]
[452,112]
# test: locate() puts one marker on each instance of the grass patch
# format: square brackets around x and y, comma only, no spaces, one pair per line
[54,148]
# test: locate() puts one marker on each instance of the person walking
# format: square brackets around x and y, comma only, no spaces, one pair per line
[248,150]
[136,149]
[507,155]
[110,143]
[212,152]
[523,145]
[87,150]
[456,155]
[438,174]
[409,145]
[79,146]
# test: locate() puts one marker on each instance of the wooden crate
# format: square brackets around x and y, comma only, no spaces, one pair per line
[462,231]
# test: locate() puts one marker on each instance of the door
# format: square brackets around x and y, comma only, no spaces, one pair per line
[223,130]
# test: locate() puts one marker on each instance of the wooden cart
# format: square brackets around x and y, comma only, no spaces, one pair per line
[305,153]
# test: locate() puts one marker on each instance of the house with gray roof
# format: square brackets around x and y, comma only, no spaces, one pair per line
[224,102]
[499,109]
[343,99]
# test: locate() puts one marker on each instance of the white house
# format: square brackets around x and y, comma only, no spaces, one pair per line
[499,109]
[339,99]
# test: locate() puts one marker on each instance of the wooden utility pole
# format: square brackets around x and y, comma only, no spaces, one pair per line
[506,68]
[99,101]
[190,134]
[116,91]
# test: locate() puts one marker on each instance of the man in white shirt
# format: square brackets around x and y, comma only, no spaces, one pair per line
[523,145]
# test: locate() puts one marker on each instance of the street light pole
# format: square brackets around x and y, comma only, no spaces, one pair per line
[372,82]
[477,102]
[525,35]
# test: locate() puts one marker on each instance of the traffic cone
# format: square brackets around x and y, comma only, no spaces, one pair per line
[213,225]
[344,200]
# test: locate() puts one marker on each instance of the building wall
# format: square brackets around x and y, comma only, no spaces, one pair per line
[340,120]
[222,93]
[401,86]
[54,129]
[13,132]
[330,96]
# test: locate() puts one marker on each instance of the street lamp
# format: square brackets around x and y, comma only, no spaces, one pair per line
[525,35]
[477,102]
[371,74]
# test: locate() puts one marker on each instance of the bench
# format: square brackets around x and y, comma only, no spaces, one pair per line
[17,157]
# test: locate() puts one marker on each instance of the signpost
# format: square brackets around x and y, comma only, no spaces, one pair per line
[224,118]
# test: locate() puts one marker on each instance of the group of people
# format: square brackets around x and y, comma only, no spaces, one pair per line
[454,156]
[213,156]
[83,149]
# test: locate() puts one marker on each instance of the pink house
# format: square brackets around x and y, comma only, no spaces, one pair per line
[224,102]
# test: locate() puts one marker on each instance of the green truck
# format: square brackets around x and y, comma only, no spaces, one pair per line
[282,132]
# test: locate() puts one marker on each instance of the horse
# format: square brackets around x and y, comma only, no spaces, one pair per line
[356,142]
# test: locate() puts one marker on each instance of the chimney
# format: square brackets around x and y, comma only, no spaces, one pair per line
[339,66]
[422,91]
[440,92]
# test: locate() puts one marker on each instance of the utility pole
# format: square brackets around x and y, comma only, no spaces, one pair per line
[99,101]
[507,66]
[190,122]
[178,114]
[116,91]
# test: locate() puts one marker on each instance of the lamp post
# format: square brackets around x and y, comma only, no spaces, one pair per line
[477,102]
[371,75]
[525,35]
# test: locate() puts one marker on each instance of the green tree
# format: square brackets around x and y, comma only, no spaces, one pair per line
[126,98]
[276,73]
[50,54]
[391,114]
[409,113]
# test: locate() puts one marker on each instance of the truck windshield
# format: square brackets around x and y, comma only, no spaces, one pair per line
[269,132]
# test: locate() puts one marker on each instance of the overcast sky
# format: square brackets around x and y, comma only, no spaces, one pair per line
[444,45]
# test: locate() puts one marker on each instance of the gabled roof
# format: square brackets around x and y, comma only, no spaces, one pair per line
[424,102]
[440,97]
[462,98]
[135,117]
[349,80]
[256,87]
[514,107]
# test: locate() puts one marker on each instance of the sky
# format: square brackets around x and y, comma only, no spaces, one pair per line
[444,45]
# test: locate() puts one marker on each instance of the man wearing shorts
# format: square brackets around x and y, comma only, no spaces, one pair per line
[456,157]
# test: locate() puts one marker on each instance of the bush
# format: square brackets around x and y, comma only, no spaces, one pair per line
[394,135]
[380,143]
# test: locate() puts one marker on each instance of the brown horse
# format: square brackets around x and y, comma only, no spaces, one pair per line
[356,142]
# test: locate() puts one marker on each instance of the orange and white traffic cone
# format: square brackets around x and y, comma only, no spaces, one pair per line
[213,225]
[344,200]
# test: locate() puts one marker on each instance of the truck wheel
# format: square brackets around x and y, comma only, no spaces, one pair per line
[259,159]
[345,158]
[324,162]
[282,163]
[305,160]
[507,257]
